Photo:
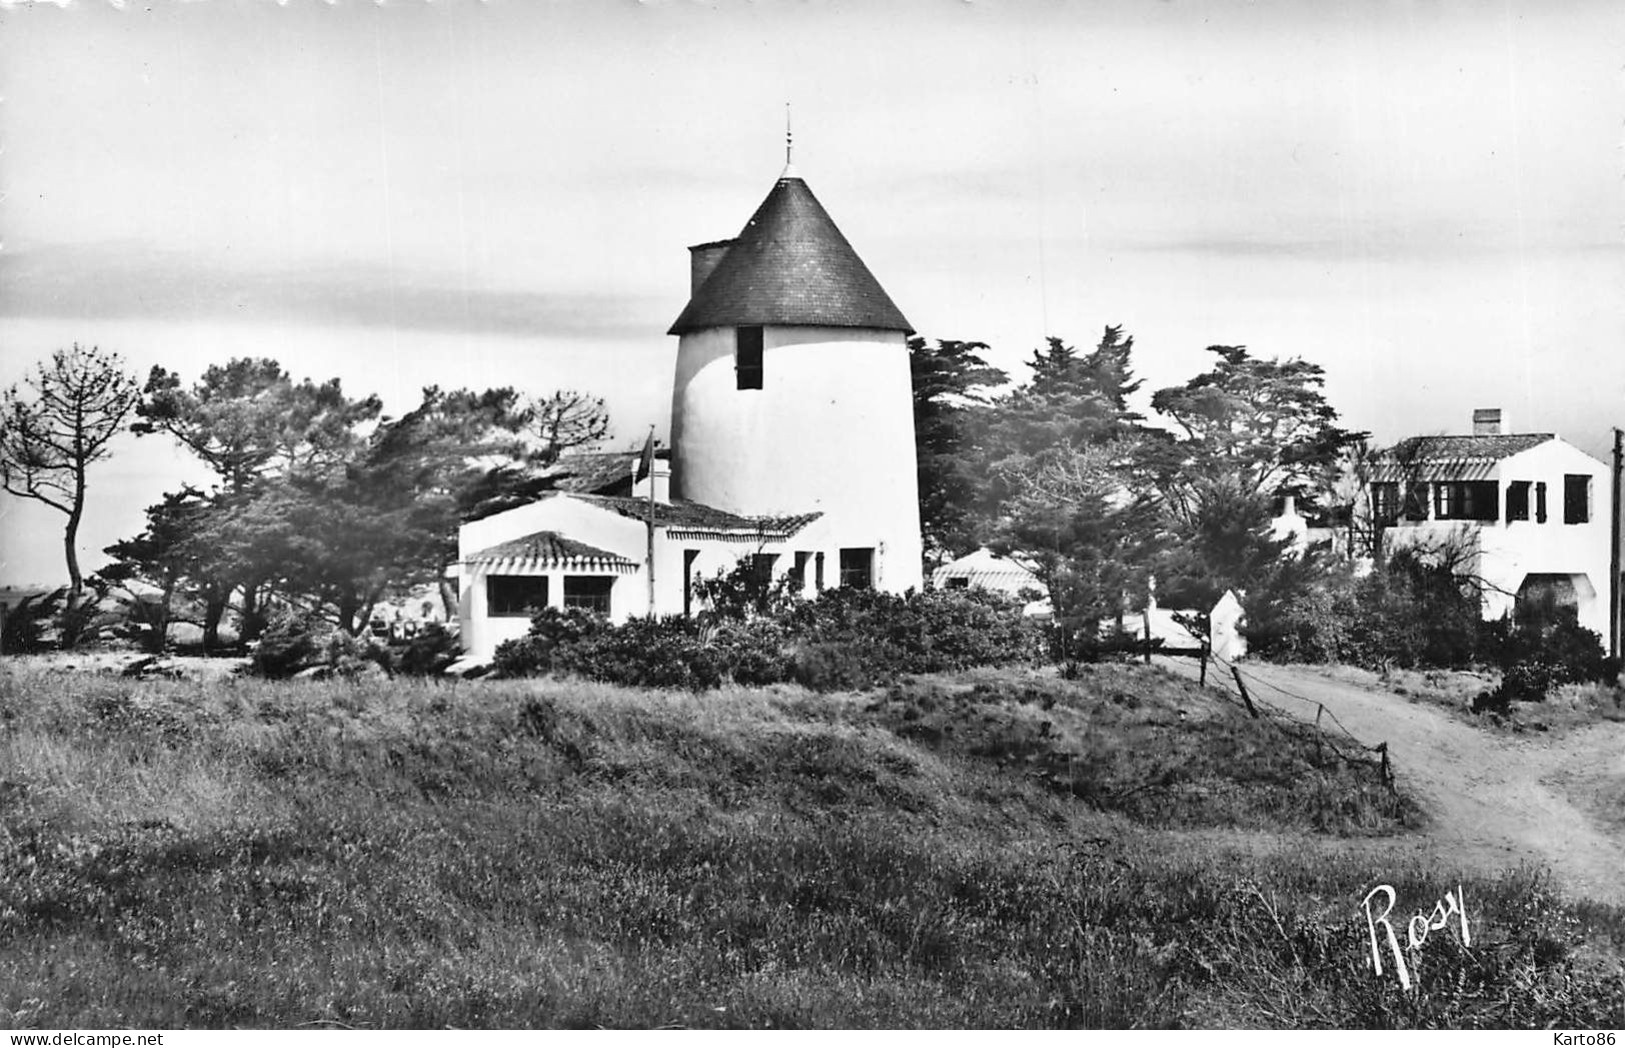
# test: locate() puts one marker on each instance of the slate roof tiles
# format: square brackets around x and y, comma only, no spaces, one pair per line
[790,265]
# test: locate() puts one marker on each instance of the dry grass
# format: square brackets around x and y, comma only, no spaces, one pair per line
[407,855]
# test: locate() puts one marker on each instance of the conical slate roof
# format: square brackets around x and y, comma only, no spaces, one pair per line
[791,265]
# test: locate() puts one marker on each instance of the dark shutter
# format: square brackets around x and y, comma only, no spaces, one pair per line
[748,357]
[1518,500]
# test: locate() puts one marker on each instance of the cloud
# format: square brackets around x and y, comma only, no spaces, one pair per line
[126,279]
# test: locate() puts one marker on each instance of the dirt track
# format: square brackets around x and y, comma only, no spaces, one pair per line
[1494,800]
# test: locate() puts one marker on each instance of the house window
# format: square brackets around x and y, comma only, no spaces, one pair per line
[748,357]
[761,569]
[962,582]
[802,559]
[1467,500]
[1518,500]
[1540,502]
[514,596]
[1576,498]
[818,571]
[1416,502]
[1385,503]
[589,592]
[689,556]
[857,568]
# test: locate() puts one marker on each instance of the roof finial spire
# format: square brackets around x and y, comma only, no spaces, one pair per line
[789,165]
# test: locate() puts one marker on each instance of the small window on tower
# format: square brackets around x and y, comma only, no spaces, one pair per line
[748,357]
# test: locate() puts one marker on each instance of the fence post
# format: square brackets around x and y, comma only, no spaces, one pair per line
[1148,636]
[1202,682]
[1387,769]
[1246,698]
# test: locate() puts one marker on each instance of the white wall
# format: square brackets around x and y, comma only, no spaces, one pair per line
[1510,550]
[573,518]
[832,430]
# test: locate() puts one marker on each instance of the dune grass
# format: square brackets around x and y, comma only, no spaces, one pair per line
[430,854]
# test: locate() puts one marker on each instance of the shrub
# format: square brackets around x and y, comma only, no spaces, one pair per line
[427,654]
[1540,653]
[29,624]
[296,641]
[289,644]
[744,593]
[667,652]
[920,632]
[754,652]
[848,666]
[550,630]
[1408,613]
[845,639]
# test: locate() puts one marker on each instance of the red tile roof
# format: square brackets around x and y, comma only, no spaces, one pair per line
[1452,457]
[692,516]
[550,549]
[790,265]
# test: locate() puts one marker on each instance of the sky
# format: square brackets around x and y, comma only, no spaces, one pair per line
[1425,198]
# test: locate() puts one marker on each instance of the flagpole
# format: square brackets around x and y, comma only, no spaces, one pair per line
[650,522]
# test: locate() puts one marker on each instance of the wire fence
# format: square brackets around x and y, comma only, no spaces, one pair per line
[1339,742]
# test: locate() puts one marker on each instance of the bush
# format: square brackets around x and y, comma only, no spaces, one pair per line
[849,666]
[29,624]
[754,652]
[550,629]
[926,632]
[1540,653]
[427,654]
[667,652]
[295,642]
[845,639]
[1409,613]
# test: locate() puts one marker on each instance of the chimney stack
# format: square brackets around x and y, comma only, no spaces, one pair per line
[702,259]
[660,477]
[1487,422]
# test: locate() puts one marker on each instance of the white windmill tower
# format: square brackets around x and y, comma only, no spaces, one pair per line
[792,391]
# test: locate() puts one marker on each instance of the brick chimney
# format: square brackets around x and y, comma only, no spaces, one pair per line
[702,259]
[1487,422]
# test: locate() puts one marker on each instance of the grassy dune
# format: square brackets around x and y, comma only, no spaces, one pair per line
[983,850]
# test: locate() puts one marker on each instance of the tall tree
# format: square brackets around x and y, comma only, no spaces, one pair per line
[1249,429]
[255,426]
[51,434]
[177,554]
[564,421]
[1264,423]
[1061,486]
[249,419]
[949,380]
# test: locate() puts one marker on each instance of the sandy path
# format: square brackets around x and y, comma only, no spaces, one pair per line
[1494,800]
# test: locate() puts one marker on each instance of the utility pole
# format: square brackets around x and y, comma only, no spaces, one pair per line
[1614,551]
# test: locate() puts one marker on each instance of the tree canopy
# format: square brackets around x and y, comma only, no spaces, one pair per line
[322,500]
[949,381]
[55,426]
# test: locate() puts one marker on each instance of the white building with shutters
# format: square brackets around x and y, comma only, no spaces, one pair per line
[1526,513]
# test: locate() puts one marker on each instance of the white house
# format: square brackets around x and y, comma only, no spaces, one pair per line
[792,435]
[1527,512]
